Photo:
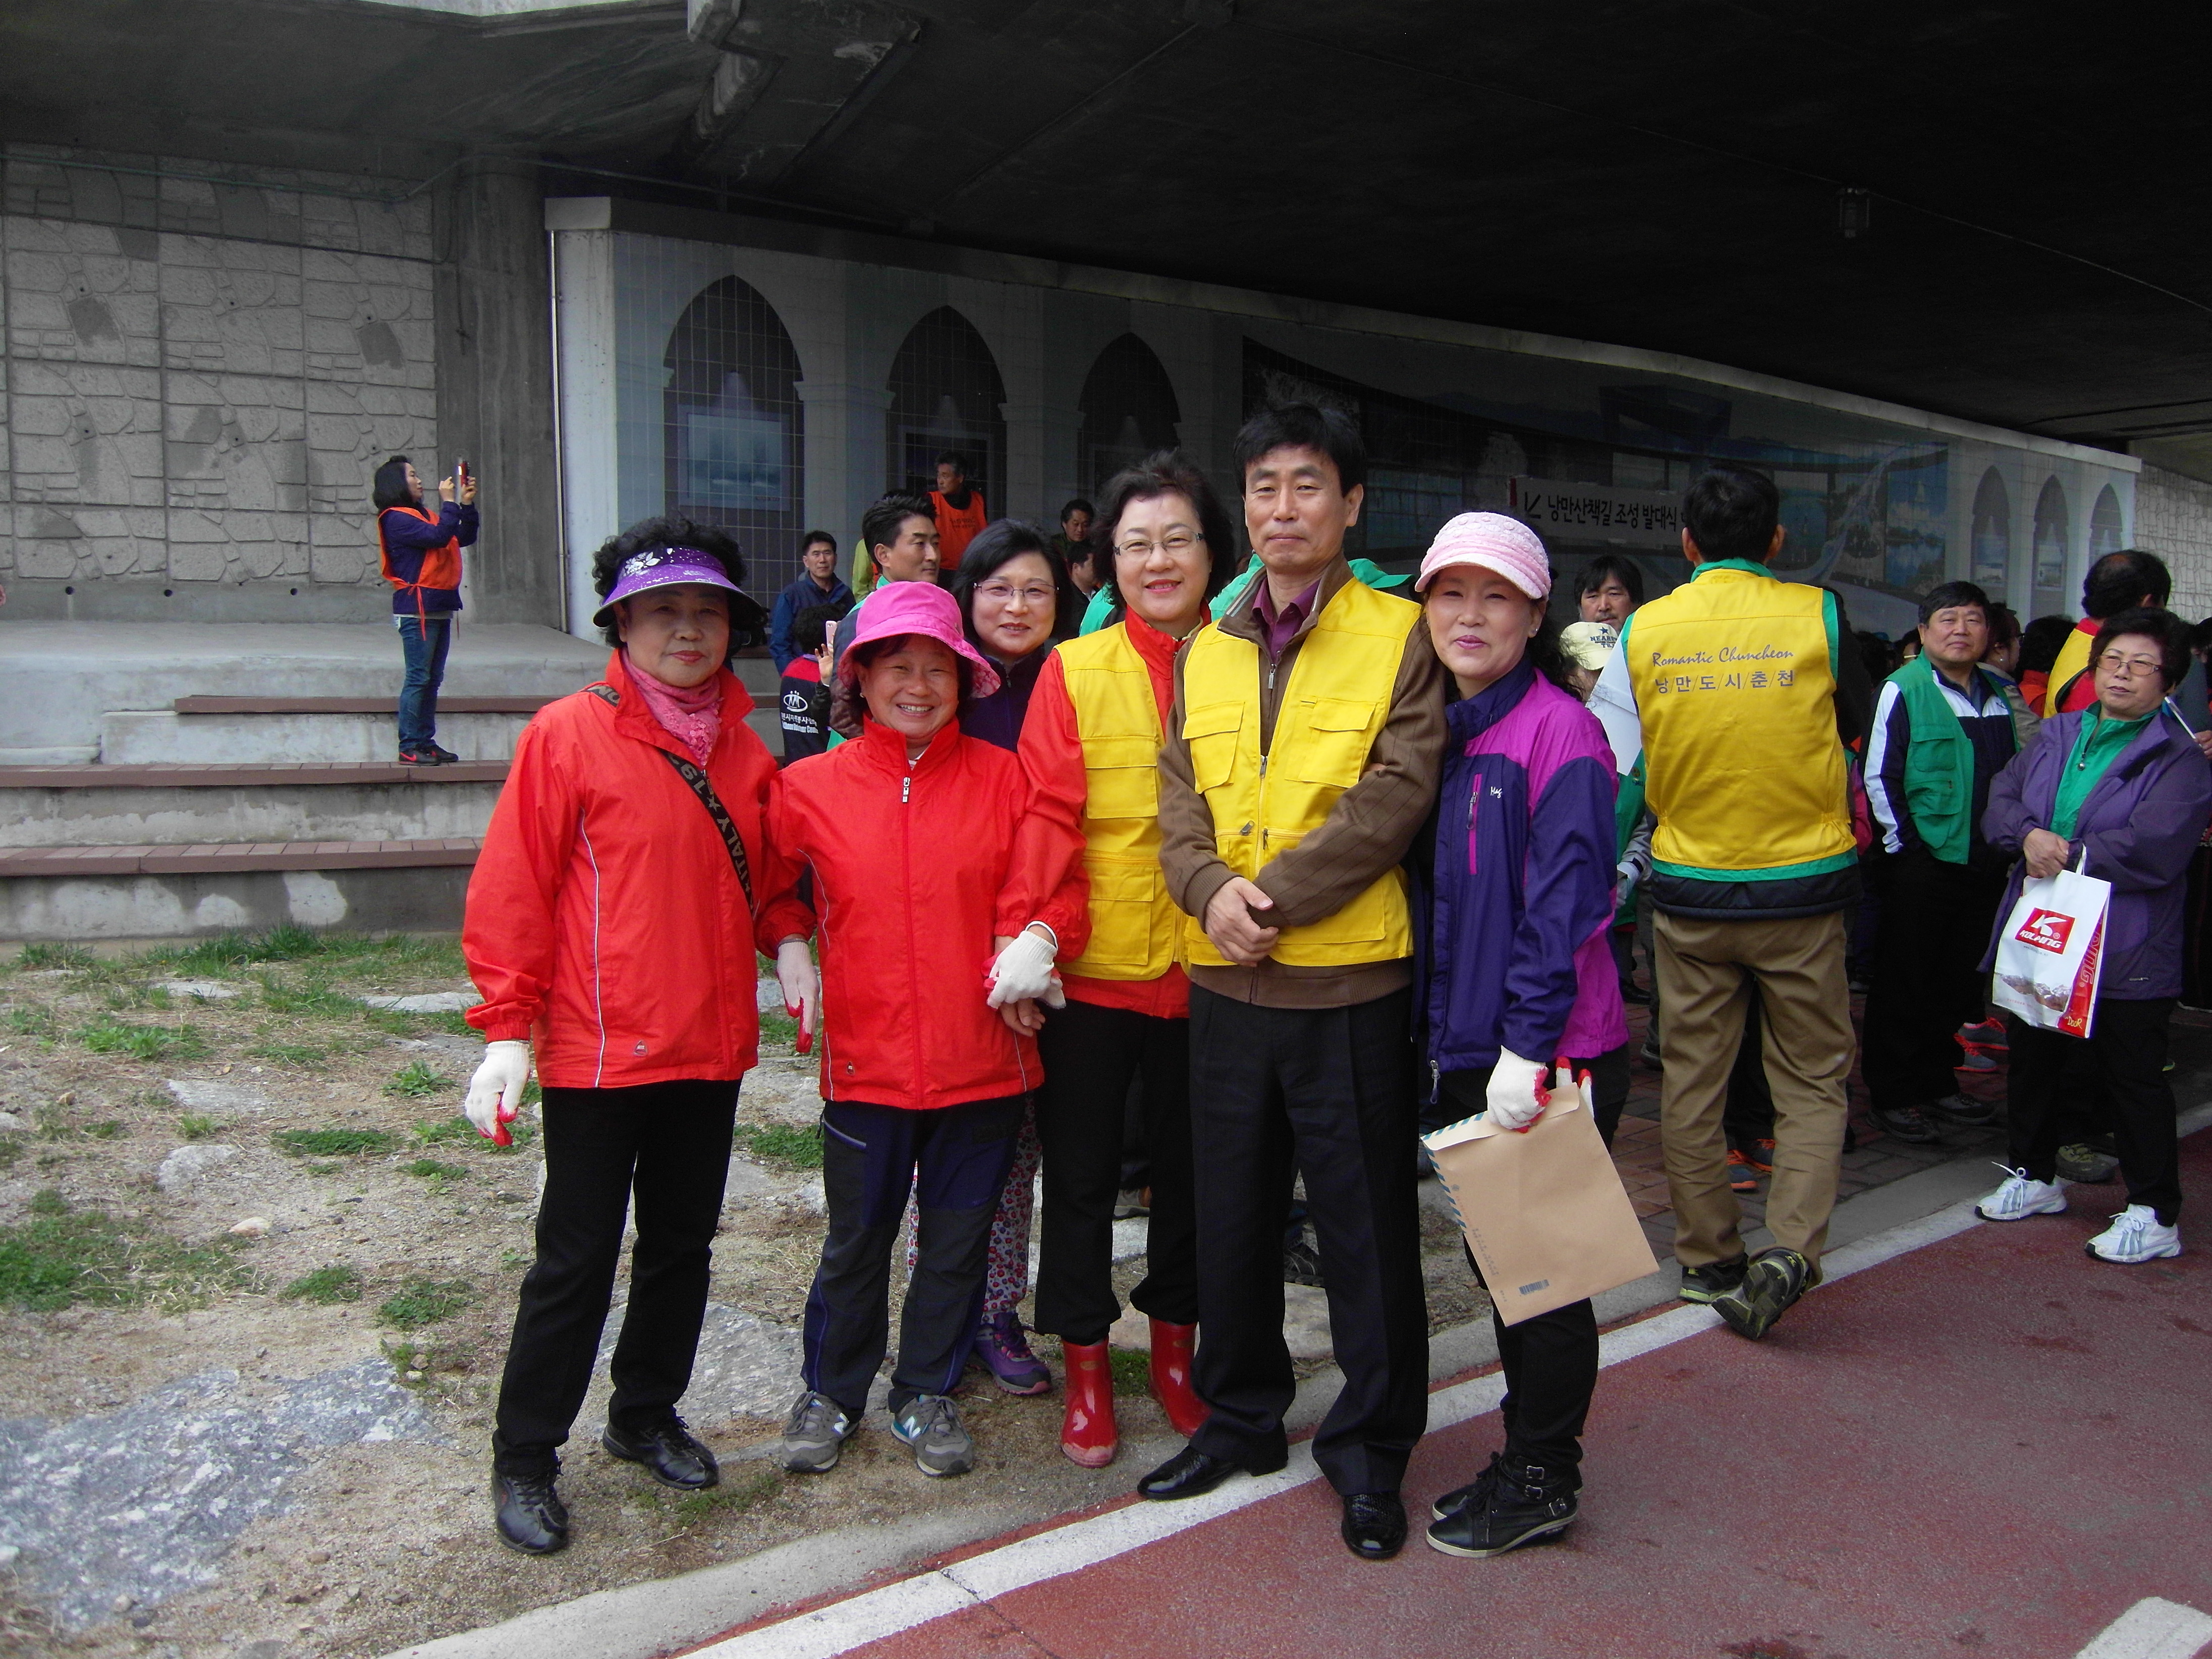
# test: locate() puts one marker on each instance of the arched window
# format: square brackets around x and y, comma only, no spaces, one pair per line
[2106,533]
[945,395]
[1129,411]
[1991,542]
[2051,547]
[734,427]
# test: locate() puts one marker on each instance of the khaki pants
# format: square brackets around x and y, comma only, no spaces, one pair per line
[1702,966]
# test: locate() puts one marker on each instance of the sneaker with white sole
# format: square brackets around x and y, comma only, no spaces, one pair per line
[2136,1235]
[815,1434]
[2021,1196]
[930,1422]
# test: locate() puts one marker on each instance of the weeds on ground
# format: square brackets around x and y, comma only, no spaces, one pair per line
[63,1255]
[26,1020]
[458,1131]
[417,1080]
[781,1144]
[197,1126]
[306,1056]
[731,1498]
[435,1172]
[397,1023]
[106,1034]
[331,1143]
[342,953]
[11,1148]
[287,996]
[779,1027]
[425,1302]
[334,1283]
[54,956]
[1132,1371]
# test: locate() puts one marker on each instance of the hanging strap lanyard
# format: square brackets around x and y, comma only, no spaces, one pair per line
[696,781]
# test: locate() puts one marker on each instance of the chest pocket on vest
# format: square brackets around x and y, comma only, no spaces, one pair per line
[1213,735]
[1928,764]
[1123,777]
[1335,746]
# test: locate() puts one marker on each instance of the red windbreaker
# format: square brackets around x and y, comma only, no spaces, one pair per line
[917,867]
[605,920]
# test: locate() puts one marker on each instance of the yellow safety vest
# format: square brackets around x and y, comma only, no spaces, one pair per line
[1334,705]
[1736,685]
[1136,932]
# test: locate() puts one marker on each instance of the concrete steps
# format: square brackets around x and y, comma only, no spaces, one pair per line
[239,731]
[193,805]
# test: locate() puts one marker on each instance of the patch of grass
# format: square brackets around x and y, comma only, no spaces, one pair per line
[218,956]
[451,1021]
[25,1020]
[418,1080]
[514,1261]
[325,1285]
[458,1131]
[778,1029]
[285,996]
[344,953]
[63,1255]
[197,1126]
[54,956]
[425,1302]
[781,1143]
[306,1056]
[731,1498]
[331,1143]
[11,1148]
[322,1168]
[430,1170]
[106,1034]
[1132,1371]
[107,1129]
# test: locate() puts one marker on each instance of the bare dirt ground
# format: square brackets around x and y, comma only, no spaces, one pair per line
[255,1285]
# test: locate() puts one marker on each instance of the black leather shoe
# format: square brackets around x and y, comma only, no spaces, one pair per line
[1374,1525]
[531,1516]
[1191,1472]
[668,1452]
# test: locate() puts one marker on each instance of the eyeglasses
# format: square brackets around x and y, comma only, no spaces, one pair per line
[2131,666]
[1175,541]
[1006,592]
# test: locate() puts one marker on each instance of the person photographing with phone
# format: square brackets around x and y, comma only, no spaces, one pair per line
[420,555]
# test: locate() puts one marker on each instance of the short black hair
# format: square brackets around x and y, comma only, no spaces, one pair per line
[814,536]
[1625,571]
[2041,641]
[880,524]
[1303,426]
[953,459]
[1077,505]
[748,619]
[1731,512]
[390,489]
[811,626]
[2119,580]
[2004,625]
[1165,472]
[995,544]
[2159,626]
[1945,596]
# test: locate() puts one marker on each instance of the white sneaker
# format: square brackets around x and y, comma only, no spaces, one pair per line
[2021,1196]
[2135,1234]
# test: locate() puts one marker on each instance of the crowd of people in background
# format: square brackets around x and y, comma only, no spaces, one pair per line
[1124,856]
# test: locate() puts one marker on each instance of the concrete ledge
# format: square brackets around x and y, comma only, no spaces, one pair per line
[294,774]
[207,857]
[421,895]
[384,706]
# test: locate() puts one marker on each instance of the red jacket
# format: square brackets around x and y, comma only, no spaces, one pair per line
[916,868]
[604,918]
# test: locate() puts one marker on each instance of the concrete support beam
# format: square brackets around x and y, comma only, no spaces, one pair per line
[591,479]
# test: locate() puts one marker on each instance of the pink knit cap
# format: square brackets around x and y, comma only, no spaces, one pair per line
[901,608]
[1496,542]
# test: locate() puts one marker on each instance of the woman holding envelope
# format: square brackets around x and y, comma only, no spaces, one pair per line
[1516,970]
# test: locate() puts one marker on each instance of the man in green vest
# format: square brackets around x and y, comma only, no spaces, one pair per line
[1942,729]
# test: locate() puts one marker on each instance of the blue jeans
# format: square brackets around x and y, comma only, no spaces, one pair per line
[424,647]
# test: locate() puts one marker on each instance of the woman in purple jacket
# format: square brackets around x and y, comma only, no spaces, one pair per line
[2121,792]
[1515,970]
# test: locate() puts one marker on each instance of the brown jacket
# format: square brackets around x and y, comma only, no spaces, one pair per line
[1366,832]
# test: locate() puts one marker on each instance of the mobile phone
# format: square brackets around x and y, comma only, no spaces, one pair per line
[460,475]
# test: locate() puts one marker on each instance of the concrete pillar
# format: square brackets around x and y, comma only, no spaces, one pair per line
[1041,463]
[590,481]
[845,456]
[495,383]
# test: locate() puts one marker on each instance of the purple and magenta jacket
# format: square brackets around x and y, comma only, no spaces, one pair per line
[1517,883]
[2141,823]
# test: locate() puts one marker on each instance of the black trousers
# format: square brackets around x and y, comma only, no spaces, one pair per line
[1090,1054]
[1329,1092]
[954,1161]
[1935,922]
[2126,1043]
[668,1146]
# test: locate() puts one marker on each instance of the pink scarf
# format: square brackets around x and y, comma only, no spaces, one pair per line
[692,716]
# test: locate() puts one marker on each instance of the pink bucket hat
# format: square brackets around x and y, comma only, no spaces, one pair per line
[1496,542]
[922,608]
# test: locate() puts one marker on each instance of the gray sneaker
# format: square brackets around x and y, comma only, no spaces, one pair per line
[930,1422]
[815,1434]
[2079,1161]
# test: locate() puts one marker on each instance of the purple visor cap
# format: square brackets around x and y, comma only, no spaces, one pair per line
[662,566]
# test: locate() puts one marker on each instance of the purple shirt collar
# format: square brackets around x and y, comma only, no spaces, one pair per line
[1279,627]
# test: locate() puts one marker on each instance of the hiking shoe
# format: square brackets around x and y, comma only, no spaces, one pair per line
[1650,1055]
[1965,1113]
[1741,1177]
[1713,1281]
[1002,1350]
[1985,1034]
[1131,1202]
[1905,1123]
[1301,1261]
[444,757]
[1526,1501]
[1775,1279]
[2021,1196]
[417,755]
[2082,1162]
[1973,1060]
[2136,1235]
[1475,1490]
[930,1422]
[815,1434]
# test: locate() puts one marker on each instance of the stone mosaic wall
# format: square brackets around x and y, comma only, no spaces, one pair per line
[2173,520]
[199,377]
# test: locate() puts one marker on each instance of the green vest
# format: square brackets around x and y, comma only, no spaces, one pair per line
[1939,765]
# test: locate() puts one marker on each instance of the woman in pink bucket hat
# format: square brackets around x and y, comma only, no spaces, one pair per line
[940,900]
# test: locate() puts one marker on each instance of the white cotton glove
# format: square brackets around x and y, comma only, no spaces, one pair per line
[1024,973]
[1516,1094]
[802,989]
[1566,1083]
[495,1092]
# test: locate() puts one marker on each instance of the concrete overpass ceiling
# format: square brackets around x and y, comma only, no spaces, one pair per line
[1661,174]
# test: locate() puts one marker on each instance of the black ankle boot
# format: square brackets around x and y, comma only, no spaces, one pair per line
[531,1515]
[1524,1501]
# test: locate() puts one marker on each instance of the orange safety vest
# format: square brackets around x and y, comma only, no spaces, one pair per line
[957,527]
[441,566]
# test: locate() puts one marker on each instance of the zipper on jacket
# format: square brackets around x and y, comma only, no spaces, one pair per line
[905,889]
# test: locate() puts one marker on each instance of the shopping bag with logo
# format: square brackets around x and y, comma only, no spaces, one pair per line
[2051,952]
[1542,1208]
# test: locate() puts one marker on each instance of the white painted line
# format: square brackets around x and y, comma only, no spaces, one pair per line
[2152,1629]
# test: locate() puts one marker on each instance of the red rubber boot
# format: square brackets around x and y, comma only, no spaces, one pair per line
[1088,1434]
[1171,1346]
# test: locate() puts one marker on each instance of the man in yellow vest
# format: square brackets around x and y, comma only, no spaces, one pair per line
[1301,759]
[1740,693]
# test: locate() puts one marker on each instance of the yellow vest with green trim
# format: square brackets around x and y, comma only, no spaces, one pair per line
[1136,932]
[1335,702]
[1736,687]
